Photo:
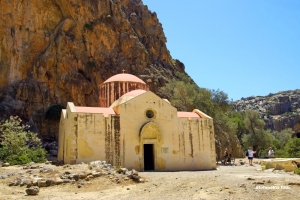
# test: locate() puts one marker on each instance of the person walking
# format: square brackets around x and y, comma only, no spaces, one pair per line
[250,155]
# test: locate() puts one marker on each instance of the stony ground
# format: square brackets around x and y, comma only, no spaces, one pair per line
[227,182]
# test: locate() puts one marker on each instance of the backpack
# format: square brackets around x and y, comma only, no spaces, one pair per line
[247,154]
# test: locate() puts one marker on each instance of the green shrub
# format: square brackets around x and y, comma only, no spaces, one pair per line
[37,155]
[19,146]
[281,153]
[293,147]
[297,171]
[17,159]
[31,155]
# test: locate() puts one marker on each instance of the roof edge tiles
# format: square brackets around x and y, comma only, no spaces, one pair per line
[95,110]
[124,78]
[201,114]
[134,93]
[187,115]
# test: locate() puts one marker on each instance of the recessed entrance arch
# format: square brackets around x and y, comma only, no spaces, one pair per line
[149,139]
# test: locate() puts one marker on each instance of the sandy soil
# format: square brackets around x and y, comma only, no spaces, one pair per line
[227,182]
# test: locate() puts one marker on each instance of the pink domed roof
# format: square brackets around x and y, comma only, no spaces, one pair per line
[125,78]
[134,93]
[126,97]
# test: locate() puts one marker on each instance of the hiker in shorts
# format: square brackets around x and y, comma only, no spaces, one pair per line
[250,155]
[271,153]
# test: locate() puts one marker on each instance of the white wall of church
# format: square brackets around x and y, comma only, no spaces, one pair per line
[197,147]
[180,143]
[91,137]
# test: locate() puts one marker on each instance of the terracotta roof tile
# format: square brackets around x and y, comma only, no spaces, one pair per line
[105,111]
[187,115]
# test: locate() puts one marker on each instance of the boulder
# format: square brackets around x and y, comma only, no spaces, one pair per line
[5,164]
[32,190]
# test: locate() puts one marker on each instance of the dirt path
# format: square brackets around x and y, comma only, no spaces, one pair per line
[228,182]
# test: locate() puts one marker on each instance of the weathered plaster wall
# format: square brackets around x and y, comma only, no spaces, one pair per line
[132,120]
[91,137]
[98,138]
[69,135]
[196,143]
[61,135]
[86,137]
[179,144]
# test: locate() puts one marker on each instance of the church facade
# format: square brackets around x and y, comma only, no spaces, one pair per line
[139,130]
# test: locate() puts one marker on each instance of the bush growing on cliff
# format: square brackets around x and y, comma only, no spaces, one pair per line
[88,26]
[18,146]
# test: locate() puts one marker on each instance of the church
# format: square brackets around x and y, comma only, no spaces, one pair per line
[136,129]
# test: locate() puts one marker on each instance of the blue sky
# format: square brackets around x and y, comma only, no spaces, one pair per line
[242,47]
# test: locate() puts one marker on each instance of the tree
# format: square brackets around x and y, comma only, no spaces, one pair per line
[182,92]
[238,119]
[256,136]
[185,95]
[282,137]
[220,100]
[18,146]
[293,147]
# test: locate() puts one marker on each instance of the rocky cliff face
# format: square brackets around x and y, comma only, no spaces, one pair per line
[55,51]
[279,111]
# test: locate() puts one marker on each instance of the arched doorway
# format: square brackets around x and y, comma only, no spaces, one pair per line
[149,138]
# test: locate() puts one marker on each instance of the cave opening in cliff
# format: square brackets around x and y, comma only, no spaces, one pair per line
[148,157]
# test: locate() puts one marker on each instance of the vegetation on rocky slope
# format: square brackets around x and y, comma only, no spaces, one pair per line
[279,111]
[185,95]
[235,130]
[17,144]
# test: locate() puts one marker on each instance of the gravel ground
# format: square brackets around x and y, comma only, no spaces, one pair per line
[227,182]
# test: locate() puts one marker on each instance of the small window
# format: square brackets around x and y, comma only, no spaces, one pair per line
[150,114]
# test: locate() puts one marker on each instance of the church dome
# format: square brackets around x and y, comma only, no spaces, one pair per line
[117,86]
[124,78]
[134,93]
[126,97]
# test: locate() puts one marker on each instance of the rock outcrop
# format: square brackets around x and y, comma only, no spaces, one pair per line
[279,111]
[55,51]
[58,51]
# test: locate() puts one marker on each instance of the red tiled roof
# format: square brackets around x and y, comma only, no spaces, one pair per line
[187,115]
[105,111]
[125,78]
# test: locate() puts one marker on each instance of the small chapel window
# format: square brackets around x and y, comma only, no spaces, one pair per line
[150,114]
